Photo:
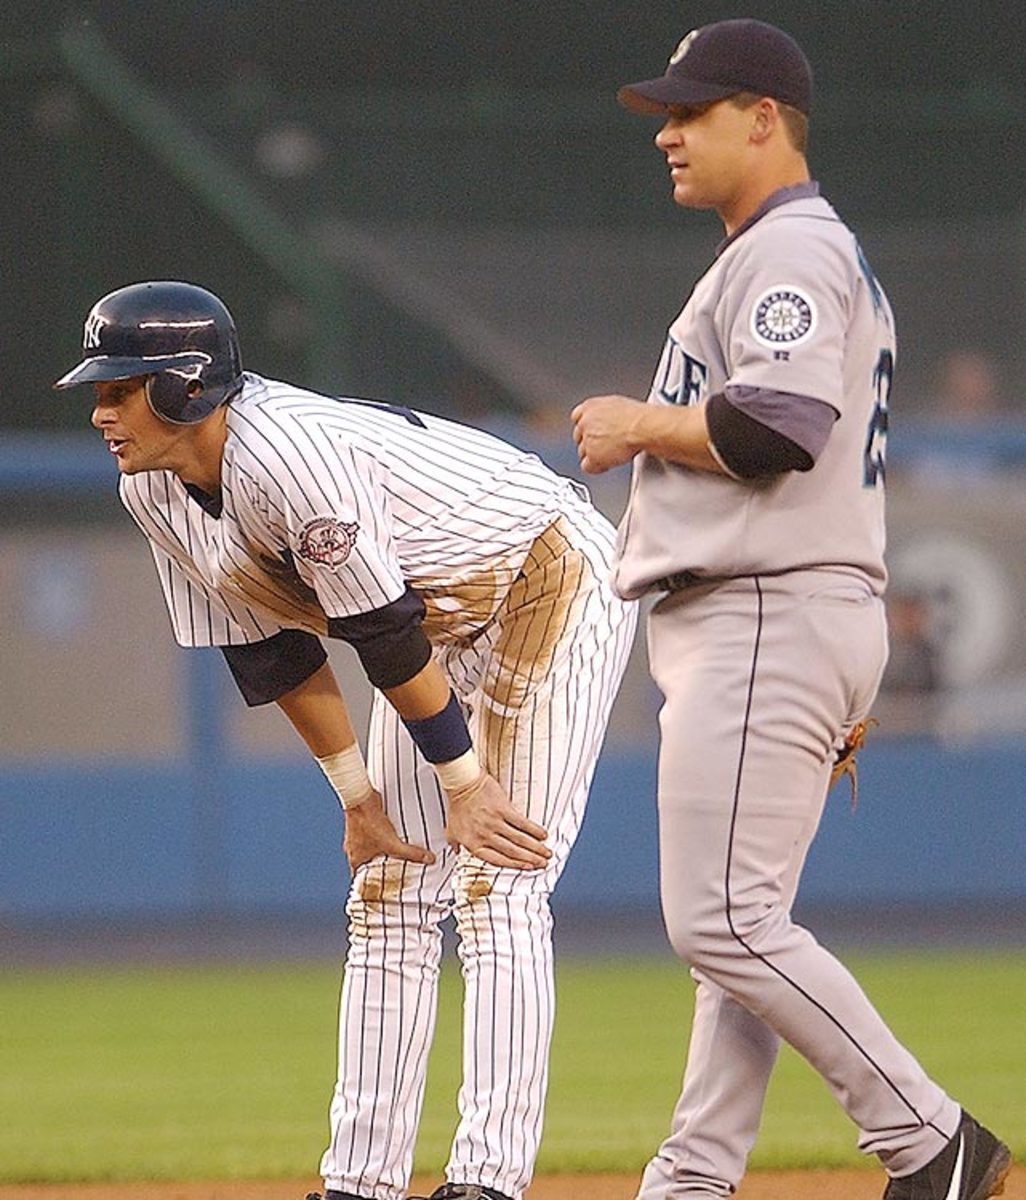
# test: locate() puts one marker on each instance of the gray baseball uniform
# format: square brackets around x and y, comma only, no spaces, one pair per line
[789,306]
[768,645]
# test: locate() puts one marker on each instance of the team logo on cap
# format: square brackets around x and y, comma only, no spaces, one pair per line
[327,542]
[683,47]
[783,316]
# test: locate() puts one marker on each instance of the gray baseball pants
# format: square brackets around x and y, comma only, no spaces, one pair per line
[761,676]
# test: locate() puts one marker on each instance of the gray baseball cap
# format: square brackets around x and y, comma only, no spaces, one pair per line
[720,60]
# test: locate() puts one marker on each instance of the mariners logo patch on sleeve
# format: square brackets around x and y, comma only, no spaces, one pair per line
[327,542]
[783,316]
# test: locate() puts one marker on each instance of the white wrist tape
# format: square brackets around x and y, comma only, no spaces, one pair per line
[458,772]
[348,776]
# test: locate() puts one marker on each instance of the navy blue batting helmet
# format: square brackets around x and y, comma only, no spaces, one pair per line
[179,336]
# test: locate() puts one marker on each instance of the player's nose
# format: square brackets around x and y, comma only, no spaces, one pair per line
[668,134]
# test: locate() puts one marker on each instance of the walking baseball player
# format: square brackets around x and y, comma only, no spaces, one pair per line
[756,518]
[473,584]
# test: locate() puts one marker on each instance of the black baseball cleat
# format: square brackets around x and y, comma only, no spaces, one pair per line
[463,1191]
[972,1166]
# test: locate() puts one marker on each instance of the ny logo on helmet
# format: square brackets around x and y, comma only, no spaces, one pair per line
[93,327]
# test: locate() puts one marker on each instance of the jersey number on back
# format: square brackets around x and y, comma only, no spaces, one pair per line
[874,461]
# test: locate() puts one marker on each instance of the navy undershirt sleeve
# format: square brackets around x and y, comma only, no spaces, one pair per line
[390,643]
[266,670]
[757,432]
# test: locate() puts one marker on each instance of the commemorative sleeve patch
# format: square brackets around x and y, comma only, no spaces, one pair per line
[783,316]
[326,542]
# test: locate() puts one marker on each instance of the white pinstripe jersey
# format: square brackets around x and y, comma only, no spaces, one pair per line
[790,305]
[330,507]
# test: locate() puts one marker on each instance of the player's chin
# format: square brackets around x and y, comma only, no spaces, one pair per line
[691,192]
[686,196]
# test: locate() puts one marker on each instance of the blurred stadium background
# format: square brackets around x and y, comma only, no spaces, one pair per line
[441,204]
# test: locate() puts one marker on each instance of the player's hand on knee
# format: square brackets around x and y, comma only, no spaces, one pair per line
[604,430]
[483,821]
[370,832]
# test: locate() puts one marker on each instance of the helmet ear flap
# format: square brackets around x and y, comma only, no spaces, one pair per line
[168,393]
[179,397]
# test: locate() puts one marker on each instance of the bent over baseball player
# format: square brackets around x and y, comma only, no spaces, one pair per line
[473,584]
[756,519]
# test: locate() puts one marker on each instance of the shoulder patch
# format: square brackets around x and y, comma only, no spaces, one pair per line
[783,316]
[326,541]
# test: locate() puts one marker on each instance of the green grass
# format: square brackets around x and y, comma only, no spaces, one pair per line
[209,1073]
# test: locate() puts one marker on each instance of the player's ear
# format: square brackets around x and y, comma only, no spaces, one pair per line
[765,115]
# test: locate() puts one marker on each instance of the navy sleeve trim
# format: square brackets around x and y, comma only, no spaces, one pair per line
[389,641]
[265,671]
[748,448]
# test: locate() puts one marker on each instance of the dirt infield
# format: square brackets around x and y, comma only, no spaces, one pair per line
[759,1185]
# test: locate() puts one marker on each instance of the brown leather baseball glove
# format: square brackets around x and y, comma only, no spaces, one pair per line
[846,760]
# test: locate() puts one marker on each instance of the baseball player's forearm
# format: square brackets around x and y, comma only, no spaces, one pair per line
[679,435]
[434,719]
[426,694]
[318,712]
[611,430]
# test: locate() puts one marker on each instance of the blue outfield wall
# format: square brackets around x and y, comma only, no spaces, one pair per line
[932,825]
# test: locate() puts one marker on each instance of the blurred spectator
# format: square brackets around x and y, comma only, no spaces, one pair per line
[909,698]
[914,663]
[967,390]
[969,432]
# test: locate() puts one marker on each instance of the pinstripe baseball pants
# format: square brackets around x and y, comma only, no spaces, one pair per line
[537,687]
